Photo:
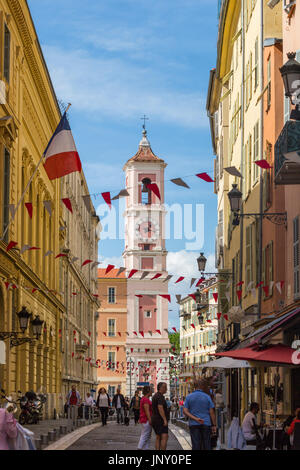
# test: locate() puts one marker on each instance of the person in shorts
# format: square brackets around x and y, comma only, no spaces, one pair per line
[160,417]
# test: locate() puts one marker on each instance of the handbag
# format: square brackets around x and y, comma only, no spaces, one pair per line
[111,411]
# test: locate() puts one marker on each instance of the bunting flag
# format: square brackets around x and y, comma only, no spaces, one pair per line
[144,274]
[271,285]
[266,290]
[226,317]
[166,296]
[11,245]
[157,275]
[109,268]
[95,263]
[205,177]
[139,296]
[74,259]
[68,204]
[158,331]
[260,284]
[263,164]
[87,261]
[178,298]
[141,333]
[179,279]
[121,270]
[155,189]
[192,325]
[219,316]
[106,197]
[227,295]
[215,296]
[200,281]
[29,208]
[24,248]
[279,285]
[192,281]
[168,278]
[7,284]
[61,156]
[150,332]
[60,255]
[132,272]
[135,333]
[180,182]
[87,202]
[193,297]
[239,294]
[173,328]
[232,170]
[122,193]
[131,350]
[249,287]
[253,293]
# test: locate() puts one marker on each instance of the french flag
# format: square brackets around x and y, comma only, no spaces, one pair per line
[61,156]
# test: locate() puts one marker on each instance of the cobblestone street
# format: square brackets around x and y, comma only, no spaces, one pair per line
[117,437]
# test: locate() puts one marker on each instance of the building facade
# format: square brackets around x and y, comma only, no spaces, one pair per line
[198,334]
[29,116]
[147,321]
[79,236]
[111,331]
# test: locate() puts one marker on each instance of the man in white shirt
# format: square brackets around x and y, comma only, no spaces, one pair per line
[250,423]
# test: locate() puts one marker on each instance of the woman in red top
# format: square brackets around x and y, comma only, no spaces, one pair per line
[145,419]
[296,420]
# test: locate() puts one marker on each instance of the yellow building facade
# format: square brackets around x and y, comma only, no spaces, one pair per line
[29,114]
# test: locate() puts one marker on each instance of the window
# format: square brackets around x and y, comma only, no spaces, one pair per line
[249,80]
[111,295]
[256,149]
[6,65]
[111,391]
[146,247]
[111,360]
[6,190]
[269,83]
[296,257]
[248,266]
[111,327]
[148,314]
[256,74]
[267,267]
[147,263]
[145,192]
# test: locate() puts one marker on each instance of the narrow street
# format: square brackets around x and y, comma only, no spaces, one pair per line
[117,437]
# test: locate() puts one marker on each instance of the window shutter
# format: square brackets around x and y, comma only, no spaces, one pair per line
[257,248]
[6,66]
[296,256]
[248,254]
[263,273]
[271,266]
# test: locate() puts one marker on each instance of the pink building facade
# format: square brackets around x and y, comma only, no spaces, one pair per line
[147,345]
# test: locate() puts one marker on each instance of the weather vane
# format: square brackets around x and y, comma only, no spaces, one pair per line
[144,118]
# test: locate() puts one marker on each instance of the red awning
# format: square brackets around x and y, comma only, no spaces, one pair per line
[275,353]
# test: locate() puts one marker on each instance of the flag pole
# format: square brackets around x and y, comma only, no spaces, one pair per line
[24,192]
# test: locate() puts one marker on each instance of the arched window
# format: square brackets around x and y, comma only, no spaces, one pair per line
[146,193]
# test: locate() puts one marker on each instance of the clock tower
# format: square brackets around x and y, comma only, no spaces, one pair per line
[147,345]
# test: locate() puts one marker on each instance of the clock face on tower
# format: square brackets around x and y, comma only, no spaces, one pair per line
[146,229]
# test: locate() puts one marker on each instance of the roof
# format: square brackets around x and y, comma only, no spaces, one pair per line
[145,153]
[111,275]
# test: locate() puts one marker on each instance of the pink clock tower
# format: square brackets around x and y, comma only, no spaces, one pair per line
[147,345]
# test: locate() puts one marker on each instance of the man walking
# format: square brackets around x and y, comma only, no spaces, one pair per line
[135,406]
[119,404]
[199,408]
[160,417]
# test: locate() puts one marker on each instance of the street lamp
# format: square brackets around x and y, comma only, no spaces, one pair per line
[235,199]
[290,73]
[24,316]
[201,260]
[37,324]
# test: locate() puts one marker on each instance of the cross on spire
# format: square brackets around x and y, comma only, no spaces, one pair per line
[144,118]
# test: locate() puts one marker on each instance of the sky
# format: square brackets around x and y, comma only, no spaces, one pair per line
[116,60]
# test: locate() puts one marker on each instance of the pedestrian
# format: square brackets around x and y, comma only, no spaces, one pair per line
[73,402]
[181,403]
[160,417]
[8,429]
[119,404]
[219,406]
[135,406]
[145,419]
[251,429]
[291,430]
[103,403]
[199,408]
[88,403]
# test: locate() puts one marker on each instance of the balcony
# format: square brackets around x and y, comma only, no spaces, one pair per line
[287,172]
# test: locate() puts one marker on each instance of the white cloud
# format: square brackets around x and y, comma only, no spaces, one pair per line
[115,88]
[184,263]
[117,261]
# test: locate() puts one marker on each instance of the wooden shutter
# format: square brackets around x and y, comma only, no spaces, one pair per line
[263,271]
[296,256]
[270,266]
[6,65]
[248,263]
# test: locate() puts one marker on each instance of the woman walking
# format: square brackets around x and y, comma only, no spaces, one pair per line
[145,419]
[8,429]
[103,403]
[135,406]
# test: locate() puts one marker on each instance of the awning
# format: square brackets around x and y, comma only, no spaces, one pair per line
[226,363]
[273,353]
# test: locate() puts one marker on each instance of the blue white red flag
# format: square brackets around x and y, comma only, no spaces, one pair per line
[61,156]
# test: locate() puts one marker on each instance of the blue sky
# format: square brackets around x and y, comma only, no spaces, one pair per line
[116,60]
